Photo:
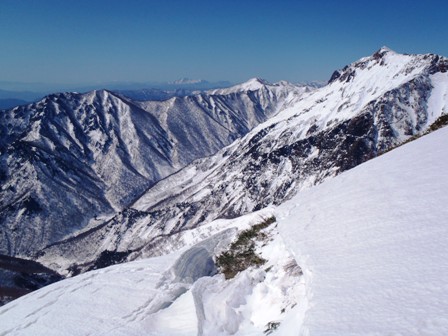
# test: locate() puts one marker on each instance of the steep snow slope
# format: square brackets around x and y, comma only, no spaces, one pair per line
[372,245]
[71,159]
[367,108]
[176,294]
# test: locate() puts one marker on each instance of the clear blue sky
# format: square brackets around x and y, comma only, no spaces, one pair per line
[68,41]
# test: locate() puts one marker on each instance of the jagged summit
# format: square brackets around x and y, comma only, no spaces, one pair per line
[254,84]
[250,85]
[384,49]
[382,52]
[258,80]
[395,66]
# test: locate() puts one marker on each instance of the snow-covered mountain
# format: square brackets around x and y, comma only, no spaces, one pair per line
[367,108]
[362,253]
[71,160]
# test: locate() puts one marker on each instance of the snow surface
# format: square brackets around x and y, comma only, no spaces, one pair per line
[372,245]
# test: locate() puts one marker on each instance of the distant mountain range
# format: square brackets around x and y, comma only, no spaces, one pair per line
[70,160]
[10,99]
[15,93]
[8,103]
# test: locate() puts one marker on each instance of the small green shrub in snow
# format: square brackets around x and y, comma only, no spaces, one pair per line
[241,254]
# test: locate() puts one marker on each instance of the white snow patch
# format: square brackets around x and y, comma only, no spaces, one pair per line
[438,101]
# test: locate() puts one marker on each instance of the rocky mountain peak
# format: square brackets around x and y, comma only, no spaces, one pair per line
[387,62]
[383,51]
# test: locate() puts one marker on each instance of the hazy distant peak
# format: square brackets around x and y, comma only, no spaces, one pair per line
[188,81]
[254,83]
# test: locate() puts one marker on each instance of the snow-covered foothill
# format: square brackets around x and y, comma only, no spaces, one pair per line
[372,245]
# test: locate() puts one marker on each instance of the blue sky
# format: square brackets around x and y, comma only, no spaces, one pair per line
[67,41]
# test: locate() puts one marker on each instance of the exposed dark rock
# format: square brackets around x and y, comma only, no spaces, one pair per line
[334,76]
[108,258]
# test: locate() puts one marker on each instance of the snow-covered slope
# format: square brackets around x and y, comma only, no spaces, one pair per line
[372,245]
[70,160]
[368,107]
[176,294]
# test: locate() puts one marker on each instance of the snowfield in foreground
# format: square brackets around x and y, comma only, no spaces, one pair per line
[176,294]
[372,244]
